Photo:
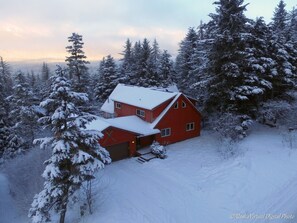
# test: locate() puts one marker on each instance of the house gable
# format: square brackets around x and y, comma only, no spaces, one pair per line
[183,122]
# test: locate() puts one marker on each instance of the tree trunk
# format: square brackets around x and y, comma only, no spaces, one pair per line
[64,206]
[63,212]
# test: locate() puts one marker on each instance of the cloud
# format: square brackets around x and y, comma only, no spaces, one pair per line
[40,28]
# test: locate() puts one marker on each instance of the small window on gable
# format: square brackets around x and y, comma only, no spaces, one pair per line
[176,105]
[190,126]
[184,104]
[118,105]
[165,132]
[140,113]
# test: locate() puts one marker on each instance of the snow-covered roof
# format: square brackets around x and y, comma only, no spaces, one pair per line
[128,123]
[147,98]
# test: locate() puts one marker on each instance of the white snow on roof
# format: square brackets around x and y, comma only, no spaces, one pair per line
[108,105]
[147,98]
[98,124]
[128,123]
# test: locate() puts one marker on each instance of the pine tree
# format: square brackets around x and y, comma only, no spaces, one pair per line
[78,71]
[45,72]
[133,78]
[108,78]
[22,112]
[127,61]
[293,26]
[76,154]
[146,76]
[154,59]
[5,77]
[166,70]
[10,144]
[198,77]
[184,57]
[261,64]
[231,88]
[280,19]
[283,52]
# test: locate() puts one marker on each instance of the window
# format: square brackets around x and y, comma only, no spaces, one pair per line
[184,104]
[118,105]
[176,105]
[165,132]
[190,126]
[140,113]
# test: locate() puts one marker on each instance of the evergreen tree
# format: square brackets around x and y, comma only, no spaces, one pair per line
[10,144]
[45,72]
[22,112]
[198,77]
[283,52]
[76,154]
[231,87]
[133,78]
[146,76]
[108,78]
[293,26]
[280,19]
[5,77]
[166,70]
[261,64]
[78,71]
[154,59]
[127,61]
[184,57]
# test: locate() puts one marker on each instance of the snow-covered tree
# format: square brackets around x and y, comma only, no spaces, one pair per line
[76,154]
[45,72]
[10,144]
[283,52]
[166,70]
[280,19]
[127,61]
[76,62]
[184,57]
[154,59]
[108,78]
[22,113]
[293,25]
[5,77]
[232,86]
[145,72]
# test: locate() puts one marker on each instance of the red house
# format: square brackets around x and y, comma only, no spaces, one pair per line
[136,116]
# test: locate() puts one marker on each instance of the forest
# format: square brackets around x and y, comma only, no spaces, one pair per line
[240,70]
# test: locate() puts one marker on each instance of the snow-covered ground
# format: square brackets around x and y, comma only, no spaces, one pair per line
[195,184]
[8,212]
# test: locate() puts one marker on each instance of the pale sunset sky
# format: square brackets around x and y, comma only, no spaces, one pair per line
[38,29]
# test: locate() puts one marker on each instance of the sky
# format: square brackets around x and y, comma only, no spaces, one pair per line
[38,29]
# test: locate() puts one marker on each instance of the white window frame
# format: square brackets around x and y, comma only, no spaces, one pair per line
[165,132]
[190,126]
[118,105]
[140,113]
[176,105]
[184,104]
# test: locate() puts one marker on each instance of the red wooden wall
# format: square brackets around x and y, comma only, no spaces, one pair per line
[150,115]
[113,136]
[127,110]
